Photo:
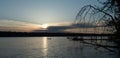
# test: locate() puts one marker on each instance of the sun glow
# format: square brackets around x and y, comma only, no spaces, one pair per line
[45,26]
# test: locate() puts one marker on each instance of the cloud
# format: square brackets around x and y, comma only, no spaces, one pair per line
[19,26]
[12,25]
[83,25]
[66,27]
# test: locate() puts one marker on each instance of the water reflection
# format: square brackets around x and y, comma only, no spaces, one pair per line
[45,45]
[58,47]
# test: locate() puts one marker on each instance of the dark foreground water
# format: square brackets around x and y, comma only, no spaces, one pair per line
[53,47]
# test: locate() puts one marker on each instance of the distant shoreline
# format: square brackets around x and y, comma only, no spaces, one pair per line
[42,34]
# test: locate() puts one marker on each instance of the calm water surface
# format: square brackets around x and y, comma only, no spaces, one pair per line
[51,47]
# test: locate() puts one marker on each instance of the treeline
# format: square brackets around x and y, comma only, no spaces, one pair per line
[34,34]
[37,34]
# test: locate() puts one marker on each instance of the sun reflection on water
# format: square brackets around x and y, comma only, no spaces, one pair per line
[45,45]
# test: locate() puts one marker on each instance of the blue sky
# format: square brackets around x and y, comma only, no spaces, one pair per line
[21,14]
[41,11]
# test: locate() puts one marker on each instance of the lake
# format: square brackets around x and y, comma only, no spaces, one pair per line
[53,47]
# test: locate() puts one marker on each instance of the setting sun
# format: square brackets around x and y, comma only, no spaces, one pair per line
[45,26]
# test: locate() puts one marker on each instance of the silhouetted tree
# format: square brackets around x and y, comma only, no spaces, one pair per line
[107,12]
[112,7]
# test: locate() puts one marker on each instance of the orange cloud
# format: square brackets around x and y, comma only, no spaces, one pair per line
[18,26]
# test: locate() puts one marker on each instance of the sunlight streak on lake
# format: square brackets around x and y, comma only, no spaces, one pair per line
[45,45]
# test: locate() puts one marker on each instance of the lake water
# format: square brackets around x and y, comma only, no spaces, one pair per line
[52,47]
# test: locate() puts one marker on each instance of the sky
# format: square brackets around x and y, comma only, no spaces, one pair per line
[39,12]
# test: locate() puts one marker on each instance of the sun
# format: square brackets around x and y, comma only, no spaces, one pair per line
[44,26]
